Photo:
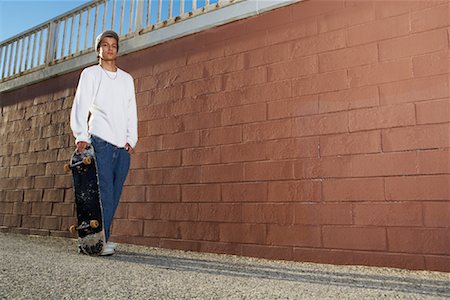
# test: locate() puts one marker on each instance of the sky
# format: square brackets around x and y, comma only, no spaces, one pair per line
[17,16]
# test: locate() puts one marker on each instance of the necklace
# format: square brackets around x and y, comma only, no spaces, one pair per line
[112,78]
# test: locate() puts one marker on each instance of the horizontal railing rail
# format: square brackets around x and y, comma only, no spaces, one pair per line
[73,33]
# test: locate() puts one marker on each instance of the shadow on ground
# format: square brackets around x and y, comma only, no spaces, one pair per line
[351,279]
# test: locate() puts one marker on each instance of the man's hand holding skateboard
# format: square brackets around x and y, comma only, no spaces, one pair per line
[128,148]
[81,146]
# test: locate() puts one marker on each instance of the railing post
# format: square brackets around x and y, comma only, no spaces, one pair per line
[2,62]
[21,55]
[11,46]
[159,10]
[139,16]
[16,56]
[34,49]
[51,43]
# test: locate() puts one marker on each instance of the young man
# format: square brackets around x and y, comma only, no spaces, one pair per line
[105,98]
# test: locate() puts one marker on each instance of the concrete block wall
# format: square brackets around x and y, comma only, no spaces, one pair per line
[315,132]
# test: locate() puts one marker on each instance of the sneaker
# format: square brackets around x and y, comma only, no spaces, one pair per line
[108,251]
[80,251]
[111,245]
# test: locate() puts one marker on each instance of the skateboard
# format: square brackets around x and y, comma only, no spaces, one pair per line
[91,235]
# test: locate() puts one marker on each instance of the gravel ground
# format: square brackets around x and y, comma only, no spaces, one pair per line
[33,267]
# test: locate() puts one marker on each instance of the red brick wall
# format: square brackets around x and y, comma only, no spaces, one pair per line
[316,132]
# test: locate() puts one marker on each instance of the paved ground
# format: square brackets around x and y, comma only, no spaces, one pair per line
[49,268]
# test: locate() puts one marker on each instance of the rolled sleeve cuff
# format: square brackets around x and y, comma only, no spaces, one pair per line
[82,139]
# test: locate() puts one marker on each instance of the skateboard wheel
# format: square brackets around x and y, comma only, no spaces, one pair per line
[94,224]
[66,168]
[72,229]
[87,160]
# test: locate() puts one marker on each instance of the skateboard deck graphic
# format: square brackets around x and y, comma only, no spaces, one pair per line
[91,235]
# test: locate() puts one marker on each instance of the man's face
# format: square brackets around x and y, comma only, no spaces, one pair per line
[108,48]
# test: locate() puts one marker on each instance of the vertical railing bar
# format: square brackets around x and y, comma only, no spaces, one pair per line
[113,16]
[194,5]
[24,52]
[22,46]
[5,67]
[122,12]
[5,54]
[181,7]
[15,58]
[159,11]
[149,6]
[34,49]
[71,34]
[170,8]
[78,31]
[41,32]
[49,43]
[95,26]
[19,57]
[105,10]
[4,60]
[55,42]
[87,28]
[130,25]
[139,16]
[30,52]
[27,55]
[10,59]
[11,63]
[63,37]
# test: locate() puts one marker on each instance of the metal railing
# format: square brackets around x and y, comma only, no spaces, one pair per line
[73,33]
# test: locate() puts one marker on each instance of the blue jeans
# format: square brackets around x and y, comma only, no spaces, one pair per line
[113,164]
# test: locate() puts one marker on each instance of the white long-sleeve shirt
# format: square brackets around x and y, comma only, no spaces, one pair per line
[111,101]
